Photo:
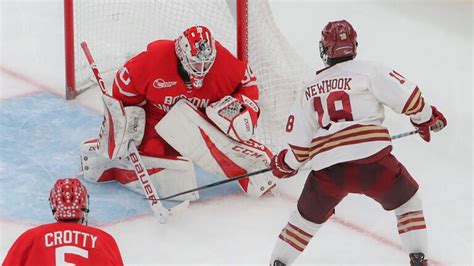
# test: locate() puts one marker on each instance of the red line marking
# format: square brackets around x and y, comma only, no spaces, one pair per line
[28,80]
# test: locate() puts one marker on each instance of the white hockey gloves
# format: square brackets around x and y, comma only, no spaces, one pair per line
[120,126]
[234,117]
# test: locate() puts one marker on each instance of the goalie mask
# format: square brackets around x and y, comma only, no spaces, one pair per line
[196,50]
[338,39]
[69,200]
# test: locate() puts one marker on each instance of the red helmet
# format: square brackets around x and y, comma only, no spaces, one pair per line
[338,39]
[69,200]
[196,50]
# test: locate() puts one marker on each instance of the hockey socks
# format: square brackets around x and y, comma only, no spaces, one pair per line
[412,230]
[293,239]
[412,227]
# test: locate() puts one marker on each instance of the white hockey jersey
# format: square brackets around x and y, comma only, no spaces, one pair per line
[338,115]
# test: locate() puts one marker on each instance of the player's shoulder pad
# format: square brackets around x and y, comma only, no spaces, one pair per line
[225,58]
[160,48]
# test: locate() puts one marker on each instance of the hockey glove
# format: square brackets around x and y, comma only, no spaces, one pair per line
[279,168]
[436,123]
[233,117]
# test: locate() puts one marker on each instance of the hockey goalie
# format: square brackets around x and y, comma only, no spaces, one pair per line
[186,101]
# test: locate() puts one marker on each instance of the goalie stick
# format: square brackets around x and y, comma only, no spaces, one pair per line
[138,166]
[402,135]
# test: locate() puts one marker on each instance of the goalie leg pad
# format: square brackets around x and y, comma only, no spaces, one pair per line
[168,175]
[187,130]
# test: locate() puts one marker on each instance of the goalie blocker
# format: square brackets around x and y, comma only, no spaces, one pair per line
[188,131]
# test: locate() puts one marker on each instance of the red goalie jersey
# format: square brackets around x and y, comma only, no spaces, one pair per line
[64,243]
[156,80]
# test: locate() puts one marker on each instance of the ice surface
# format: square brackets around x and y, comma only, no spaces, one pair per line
[429,42]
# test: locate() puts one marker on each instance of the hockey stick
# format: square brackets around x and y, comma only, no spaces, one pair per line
[138,166]
[402,135]
[218,183]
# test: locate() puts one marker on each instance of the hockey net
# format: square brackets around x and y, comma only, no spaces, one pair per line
[116,30]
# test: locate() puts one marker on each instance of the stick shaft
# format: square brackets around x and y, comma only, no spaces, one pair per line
[218,183]
[94,68]
[402,135]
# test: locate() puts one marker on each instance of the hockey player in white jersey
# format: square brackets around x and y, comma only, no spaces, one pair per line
[335,126]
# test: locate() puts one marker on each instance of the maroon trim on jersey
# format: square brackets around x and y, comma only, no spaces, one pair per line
[414,104]
[351,143]
[301,153]
[229,168]
[347,136]
[351,135]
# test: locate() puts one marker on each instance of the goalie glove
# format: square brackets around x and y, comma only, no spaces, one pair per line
[236,119]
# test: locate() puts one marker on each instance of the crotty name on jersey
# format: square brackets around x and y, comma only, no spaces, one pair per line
[339,114]
[68,237]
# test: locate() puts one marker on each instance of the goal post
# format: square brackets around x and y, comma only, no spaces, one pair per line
[116,30]
[69,48]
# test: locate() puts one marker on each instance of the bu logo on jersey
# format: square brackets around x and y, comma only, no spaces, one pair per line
[160,83]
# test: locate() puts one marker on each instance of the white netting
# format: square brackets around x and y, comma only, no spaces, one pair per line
[116,30]
[279,70]
[232,109]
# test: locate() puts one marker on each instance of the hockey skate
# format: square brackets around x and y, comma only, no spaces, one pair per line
[278,263]
[418,259]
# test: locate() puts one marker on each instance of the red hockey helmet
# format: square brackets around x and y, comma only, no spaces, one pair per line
[196,49]
[338,39]
[69,200]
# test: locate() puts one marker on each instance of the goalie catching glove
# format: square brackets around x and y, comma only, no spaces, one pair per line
[237,119]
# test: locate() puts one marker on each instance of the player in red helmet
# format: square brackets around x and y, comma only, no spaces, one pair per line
[196,51]
[338,42]
[182,96]
[69,201]
[336,128]
[69,240]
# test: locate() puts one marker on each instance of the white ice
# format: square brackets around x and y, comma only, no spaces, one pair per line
[429,42]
